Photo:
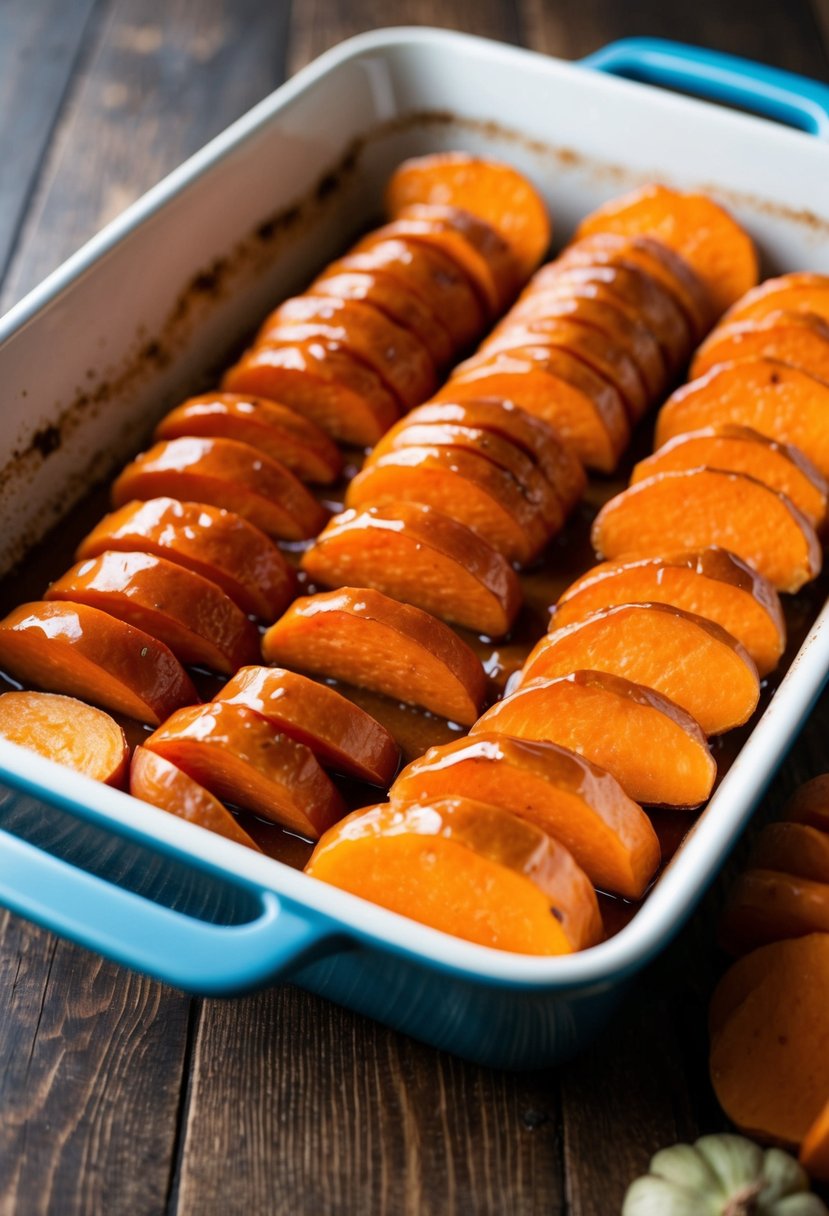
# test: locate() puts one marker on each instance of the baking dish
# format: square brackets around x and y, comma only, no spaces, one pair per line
[160,299]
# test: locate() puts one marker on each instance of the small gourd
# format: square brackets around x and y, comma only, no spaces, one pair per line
[722,1176]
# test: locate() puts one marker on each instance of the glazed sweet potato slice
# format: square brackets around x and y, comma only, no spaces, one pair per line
[217,544]
[654,749]
[416,554]
[768,906]
[769,1056]
[86,653]
[699,229]
[582,407]
[322,381]
[224,473]
[809,803]
[461,484]
[240,758]
[799,292]
[575,801]
[740,449]
[799,339]
[496,193]
[297,442]
[709,582]
[814,1151]
[687,658]
[469,869]
[340,734]
[792,848]
[155,780]
[702,507]
[363,637]
[67,731]
[186,612]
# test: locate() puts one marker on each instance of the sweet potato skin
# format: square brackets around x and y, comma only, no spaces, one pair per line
[67,731]
[766,906]
[798,292]
[799,339]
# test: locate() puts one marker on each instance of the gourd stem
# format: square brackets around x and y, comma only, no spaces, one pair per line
[744,1202]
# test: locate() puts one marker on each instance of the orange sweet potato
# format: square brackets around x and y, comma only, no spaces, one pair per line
[469,869]
[80,651]
[363,637]
[155,780]
[797,338]
[702,507]
[297,442]
[416,554]
[494,192]
[340,734]
[739,449]
[240,758]
[814,1151]
[809,803]
[767,906]
[792,848]
[687,658]
[573,800]
[224,473]
[324,382]
[799,292]
[186,612]
[654,749]
[217,544]
[67,731]
[769,1056]
[712,583]
[703,233]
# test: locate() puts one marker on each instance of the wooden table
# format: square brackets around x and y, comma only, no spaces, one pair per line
[119,1095]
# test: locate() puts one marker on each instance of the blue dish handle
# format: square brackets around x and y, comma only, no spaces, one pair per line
[784,96]
[209,959]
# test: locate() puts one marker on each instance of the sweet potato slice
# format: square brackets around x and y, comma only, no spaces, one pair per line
[700,230]
[575,801]
[186,612]
[809,803]
[494,192]
[799,292]
[240,758]
[297,442]
[67,731]
[416,554]
[80,651]
[654,749]
[363,637]
[217,544]
[472,870]
[224,473]
[582,407]
[739,449]
[814,1151]
[702,507]
[155,780]
[322,381]
[769,1056]
[767,906]
[709,582]
[799,339]
[340,734]
[463,485]
[687,658]
[792,848]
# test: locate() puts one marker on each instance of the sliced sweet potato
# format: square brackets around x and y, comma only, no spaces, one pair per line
[767,906]
[80,651]
[799,292]
[155,780]
[239,757]
[224,473]
[217,544]
[573,800]
[496,193]
[461,484]
[67,731]
[297,442]
[472,870]
[416,554]
[809,803]
[687,658]
[340,734]
[654,749]
[186,612]
[740,449]
[361,636]
[797,338]
[700,230]
[769,1056]
[324,382]
[709,582]
[814,1151]
[792,848]
[702,507]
